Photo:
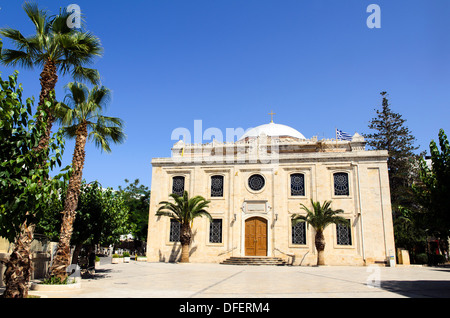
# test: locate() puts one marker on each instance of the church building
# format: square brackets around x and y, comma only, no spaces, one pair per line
[258,182]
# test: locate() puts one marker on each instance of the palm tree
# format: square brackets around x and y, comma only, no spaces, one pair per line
[55,48]
[184,210]
[84,122]
[319,218]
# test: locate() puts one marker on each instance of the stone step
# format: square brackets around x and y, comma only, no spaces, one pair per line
[254,260]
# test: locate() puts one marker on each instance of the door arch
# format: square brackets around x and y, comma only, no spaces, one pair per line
[256,236]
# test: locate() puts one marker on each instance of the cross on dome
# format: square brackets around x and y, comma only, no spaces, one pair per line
[271,116]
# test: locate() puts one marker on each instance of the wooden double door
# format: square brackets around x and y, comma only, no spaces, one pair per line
[256,237]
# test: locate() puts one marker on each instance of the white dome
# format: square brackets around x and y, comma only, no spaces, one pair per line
[273,130]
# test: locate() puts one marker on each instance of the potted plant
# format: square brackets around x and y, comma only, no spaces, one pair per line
[116,259]
[97,261]
[126,257]
[141,258]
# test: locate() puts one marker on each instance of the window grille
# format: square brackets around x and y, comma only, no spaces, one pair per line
[343,234]
[341,184]
[256,182]
[299,233]
[297,184]
[175,229]
[217,186]
[178,185]
[215,231]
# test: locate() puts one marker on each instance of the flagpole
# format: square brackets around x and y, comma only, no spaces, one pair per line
[335,130]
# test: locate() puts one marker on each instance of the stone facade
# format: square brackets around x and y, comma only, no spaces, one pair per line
[366,199]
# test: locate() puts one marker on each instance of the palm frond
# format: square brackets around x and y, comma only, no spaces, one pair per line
[58,24]
[71,50]
[100,141]
[169,209]
[298,218]
[77,94]
[79,48]
[80,73]
[320,216]
[16,57]
[102,133]
[70,131]
[168,214]
[37,16]
[16,37]
[100,96]
[186,209]
[64,114]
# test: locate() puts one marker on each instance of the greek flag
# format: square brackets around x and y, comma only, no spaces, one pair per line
[343,135]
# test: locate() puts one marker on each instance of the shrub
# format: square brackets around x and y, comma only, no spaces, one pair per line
[434,259]
[126,254]
[421,258]
[53,280]
[115,256]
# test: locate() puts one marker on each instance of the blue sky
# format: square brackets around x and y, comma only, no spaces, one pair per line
[315,63]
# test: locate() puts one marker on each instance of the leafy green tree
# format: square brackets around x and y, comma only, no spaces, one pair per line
[116,218]
[319,218]
[137,198]
[184,210]
[88,224]
[55,48]
[82,119]
[50,223]
[433,190]
[102,217]
[392,135]
[410,231]
[25,190]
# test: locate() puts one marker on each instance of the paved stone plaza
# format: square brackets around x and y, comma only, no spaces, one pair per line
[194,280]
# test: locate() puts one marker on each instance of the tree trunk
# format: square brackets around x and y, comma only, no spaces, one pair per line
[320,246]
[184,253]
[62,257]
[48,81]
[19,266]
[76,253]
[185,240]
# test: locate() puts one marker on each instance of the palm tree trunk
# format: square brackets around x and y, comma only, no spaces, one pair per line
[185,240]
[320,246]
[62,257]
[48,80]
[19,265]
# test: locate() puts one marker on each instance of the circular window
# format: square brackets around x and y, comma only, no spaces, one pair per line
[256,182]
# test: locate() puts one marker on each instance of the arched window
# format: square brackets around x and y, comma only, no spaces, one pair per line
[217,186]
[178,185]
[297,184]
[341,183]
